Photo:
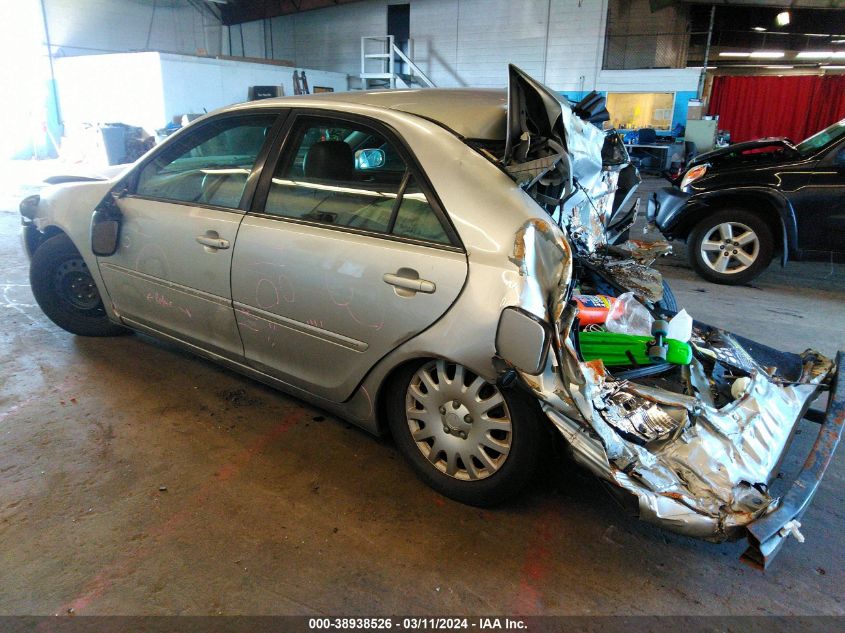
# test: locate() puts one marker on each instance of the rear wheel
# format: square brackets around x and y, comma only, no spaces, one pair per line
[731,246]
[462,435]
[66,291]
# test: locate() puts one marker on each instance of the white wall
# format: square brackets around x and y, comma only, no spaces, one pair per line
[658,80]
[148,89]
[457,42]
[117,88]
[196,84]
[470,42]
[84,27]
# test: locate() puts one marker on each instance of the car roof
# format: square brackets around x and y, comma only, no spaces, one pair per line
[472,113]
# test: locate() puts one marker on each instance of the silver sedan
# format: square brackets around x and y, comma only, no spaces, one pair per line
[433,264]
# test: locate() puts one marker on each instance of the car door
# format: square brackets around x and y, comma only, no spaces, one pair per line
[345,255]
[180,217]
[821,209]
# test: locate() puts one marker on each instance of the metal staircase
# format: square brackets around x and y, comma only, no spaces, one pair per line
[385,65]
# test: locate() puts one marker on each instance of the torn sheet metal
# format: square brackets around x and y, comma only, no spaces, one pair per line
[551,152]
[544,261]
[693,468]
[645,253]
[692,463]
[639,419]
[695,452]
[643,281]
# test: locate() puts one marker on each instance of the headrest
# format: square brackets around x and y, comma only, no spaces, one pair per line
[330,160]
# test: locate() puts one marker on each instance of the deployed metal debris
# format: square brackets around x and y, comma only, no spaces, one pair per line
[639,419]
[692,447]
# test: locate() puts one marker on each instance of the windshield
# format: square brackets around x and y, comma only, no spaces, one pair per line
[820,139]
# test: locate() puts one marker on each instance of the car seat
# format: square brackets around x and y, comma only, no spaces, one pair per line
[330,160]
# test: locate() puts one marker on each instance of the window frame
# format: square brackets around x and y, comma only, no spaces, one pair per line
[284,153]
[280,114]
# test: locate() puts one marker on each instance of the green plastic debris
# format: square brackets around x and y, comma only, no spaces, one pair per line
[613,349]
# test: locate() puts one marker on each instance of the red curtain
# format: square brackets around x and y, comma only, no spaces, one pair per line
[795,107]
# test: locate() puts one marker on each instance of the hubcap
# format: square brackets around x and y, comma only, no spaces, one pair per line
[730,248]
[75,285]
[459,421]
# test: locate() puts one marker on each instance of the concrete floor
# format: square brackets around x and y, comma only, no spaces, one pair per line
[136,479]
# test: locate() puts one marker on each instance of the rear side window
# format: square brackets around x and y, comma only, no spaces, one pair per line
[345,174]
[209,165]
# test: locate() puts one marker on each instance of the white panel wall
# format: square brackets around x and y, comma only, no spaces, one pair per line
[662,80]
[435,29]
[493,34]
[148,89]
[330,39]
[576,42]
[470,42]
[83,27]
[197,84]
[457,42]
[118,88]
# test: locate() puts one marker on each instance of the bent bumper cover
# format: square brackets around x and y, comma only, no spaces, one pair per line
[767,534]
[664,208]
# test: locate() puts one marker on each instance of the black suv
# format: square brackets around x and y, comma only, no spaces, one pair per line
[738,205]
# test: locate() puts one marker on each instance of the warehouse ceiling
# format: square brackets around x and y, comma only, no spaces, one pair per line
[238,11]
[752,36]
[783,4]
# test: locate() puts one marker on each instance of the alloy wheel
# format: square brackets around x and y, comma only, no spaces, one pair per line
[730,248]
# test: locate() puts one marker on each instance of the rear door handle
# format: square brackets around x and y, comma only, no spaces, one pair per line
[211,240]
[409,283]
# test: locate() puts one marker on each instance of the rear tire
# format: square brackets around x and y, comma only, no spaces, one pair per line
[732,246]
[66,291]
[442,429]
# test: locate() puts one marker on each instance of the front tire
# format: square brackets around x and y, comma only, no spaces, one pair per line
[66,291]
[462,435]
[732,246]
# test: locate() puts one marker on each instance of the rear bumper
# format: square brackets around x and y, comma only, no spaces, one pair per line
[767,534]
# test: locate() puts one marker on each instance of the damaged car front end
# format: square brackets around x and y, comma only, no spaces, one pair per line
[690,446]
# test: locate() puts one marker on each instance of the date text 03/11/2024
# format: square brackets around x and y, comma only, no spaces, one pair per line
[416,624]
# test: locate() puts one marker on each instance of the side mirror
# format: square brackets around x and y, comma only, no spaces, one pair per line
[369,159]
[523,340]
[105,233]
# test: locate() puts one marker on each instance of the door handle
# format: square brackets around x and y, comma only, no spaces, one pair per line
[212,241]
[406,282]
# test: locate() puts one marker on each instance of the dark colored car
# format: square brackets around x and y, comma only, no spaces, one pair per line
[739,205]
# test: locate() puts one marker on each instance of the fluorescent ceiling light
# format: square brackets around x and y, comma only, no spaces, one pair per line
[781,67]
[833,67]
[734,54]
[782,18]
[838,42]
[759,28]
[768,54]
[814,54]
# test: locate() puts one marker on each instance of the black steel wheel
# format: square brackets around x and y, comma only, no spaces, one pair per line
[66,291]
